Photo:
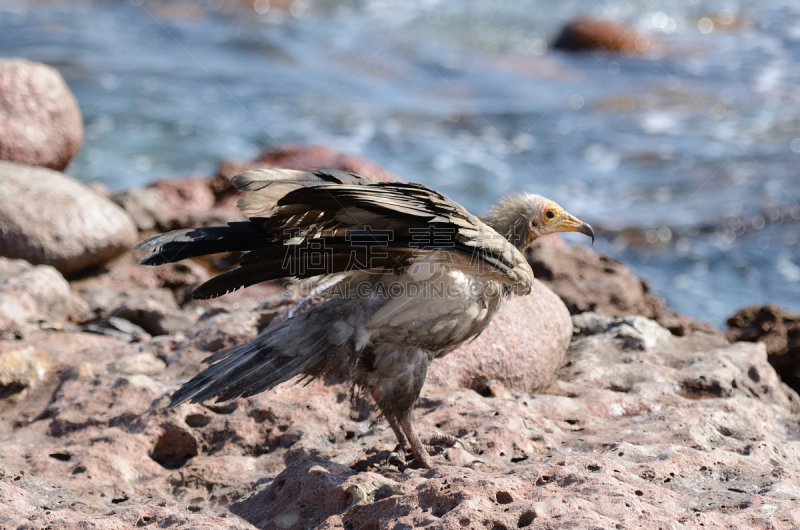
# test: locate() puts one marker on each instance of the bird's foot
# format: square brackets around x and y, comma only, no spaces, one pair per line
[398,459]
[404,457]
[438,443]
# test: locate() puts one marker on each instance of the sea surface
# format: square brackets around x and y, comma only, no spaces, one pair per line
[686,158]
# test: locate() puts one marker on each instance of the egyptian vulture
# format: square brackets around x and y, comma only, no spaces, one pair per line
[412,275]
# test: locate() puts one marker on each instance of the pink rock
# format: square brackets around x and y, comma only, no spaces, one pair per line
[40,121]
[172,204]
[175,446]
[523,347]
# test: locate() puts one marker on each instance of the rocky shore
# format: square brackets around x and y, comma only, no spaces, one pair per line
[587,404]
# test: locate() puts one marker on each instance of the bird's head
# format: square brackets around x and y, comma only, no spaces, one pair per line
[522,218]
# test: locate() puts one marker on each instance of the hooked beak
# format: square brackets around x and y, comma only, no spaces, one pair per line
[573,224]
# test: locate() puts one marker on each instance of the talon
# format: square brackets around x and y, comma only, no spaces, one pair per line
[444,439]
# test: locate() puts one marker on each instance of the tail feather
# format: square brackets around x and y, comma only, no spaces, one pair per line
[301,346]
[249,369]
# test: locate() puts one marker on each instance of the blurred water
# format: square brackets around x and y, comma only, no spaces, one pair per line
[688,158]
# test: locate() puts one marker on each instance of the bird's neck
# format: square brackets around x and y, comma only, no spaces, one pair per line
[511,226]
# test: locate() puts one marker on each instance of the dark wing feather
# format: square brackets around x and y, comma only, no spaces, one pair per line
[189,243]
[410,211]
[332,214]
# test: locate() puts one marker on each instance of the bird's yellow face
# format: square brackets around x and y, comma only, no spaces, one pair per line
[552,218]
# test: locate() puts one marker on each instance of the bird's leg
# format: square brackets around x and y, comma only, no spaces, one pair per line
[432,444]
[417,447]
[401,439]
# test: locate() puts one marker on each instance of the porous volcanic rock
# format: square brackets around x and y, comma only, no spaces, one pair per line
[638,422]
[47,218]
[779,330]
[586,33]
[40,121]
[28,505]
[521,349]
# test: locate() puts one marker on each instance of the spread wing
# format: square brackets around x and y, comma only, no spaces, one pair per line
[328,221]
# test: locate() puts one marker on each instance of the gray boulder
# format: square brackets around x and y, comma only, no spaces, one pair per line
[35,295]
[47,218]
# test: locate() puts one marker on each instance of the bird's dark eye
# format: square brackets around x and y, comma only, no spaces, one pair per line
[549,214]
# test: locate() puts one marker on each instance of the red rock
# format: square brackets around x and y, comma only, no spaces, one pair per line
[173,204]
[589,33]
[618,443]
[127,279]
[40,121]
[638,420]
[54,220]
[779,330]
[521,350]
[586,280]
[191,195]
[23,508]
